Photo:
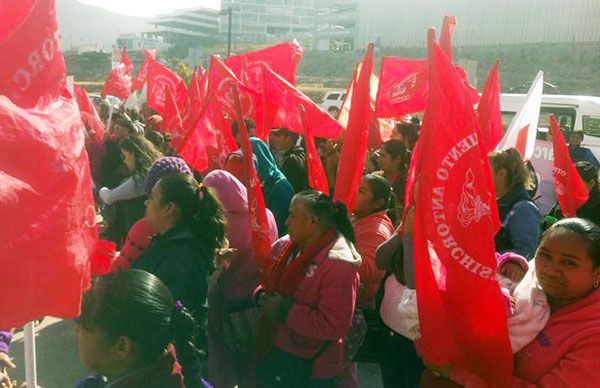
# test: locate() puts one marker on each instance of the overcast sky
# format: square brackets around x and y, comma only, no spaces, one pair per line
[150,8]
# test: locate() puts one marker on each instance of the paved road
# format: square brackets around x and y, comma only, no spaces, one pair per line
[58,364]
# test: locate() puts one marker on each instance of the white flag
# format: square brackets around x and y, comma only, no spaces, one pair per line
[522,131]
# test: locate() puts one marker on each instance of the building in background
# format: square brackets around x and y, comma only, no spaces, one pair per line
[200,26]
[404,23]
[138,42]
[335,27]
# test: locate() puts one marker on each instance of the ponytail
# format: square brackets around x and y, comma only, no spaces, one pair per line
[342,221]
[332,214]
[184,337]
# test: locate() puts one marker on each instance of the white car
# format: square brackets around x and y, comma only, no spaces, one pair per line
[332,101]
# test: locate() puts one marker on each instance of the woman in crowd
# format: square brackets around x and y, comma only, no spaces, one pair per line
[407,133]
[139,236]
[277,190]
[230,299]
[191,227]
[591,209]
[394,161]
[567,351]
[129,330]
[128,198]
[372,226]
[519,216]
[307,299]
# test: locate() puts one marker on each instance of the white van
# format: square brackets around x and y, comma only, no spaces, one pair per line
[579,113]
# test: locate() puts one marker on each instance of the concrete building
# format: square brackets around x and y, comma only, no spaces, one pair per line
[404,23]
[336,25]
[138,42]
[200,25]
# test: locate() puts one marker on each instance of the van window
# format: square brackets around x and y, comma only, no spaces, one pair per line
[565,117]
[591,125]
[333,96]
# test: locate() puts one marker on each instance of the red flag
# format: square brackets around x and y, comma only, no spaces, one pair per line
[462,313]
[142,73]
[282,100]
[200,126]
[89,115]
[172,122]
[448,25]
[259,226]
[126,61]
[118,82]
[488,110]
[317,179]
[159,77]
[282,58]
[571,191]
[32,65]
[220,82]
[404,86]
[47,213]
[354,148]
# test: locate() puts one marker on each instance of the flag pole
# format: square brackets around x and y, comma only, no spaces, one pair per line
[30,367]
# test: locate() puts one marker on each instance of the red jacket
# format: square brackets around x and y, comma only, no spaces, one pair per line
[370,232]
[323,307]
[566,353]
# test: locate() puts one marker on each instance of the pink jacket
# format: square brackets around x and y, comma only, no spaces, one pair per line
[565,354]
[370,232]
[322,307]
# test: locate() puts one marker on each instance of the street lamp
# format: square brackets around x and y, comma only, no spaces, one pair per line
[229,12]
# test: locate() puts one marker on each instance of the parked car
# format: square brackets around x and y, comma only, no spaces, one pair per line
[332,101]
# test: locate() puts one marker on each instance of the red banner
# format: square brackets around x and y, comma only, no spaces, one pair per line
[488,110]
[448,25]
[159,78]
[142,73]
[317,179]
[89,115]
[462,313]
[571,191]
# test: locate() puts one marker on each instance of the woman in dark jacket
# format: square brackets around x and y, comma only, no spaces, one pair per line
[519,216]
[191,227]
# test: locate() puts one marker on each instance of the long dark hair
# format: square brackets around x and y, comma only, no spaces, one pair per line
[398,152]
[331,214]
[136,304]
[381,189]
[144,153]
[583,228]
[199,207]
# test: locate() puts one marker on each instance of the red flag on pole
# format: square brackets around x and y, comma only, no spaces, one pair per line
[462,313]
[118,82]
[172,122]
[32,65]
[571,192]
[140,78]
[47,213]
[259,226]
[282,58]
[488,110]
[354,148]
[317,179]
[282,100]
[448,25]
[126,61]
[89,115]
[159,77]
[200,126]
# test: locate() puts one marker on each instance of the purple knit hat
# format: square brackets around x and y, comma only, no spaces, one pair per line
[163,166]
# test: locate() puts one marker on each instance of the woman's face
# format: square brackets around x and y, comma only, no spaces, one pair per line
[363,203]
[499,179]
[564,267]
[386,161]
[300,223]
[94,350]
[155,210]
[128,159]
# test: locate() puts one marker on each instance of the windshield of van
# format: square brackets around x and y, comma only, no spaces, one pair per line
[565,117]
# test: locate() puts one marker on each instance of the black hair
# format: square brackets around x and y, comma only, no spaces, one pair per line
[587,171]
[331,214]
[286,132]
[144,153]
[122,120]
[381,189]
[235,129]
[136,304]
[199,207]
[410,133]
[398,152]
[585,229]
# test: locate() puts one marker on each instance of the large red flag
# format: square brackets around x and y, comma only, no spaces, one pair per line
[200,126]
[259,225]
[172,122]
[448,25]
[161,77]
[32,65]
[282,100]
[118,82]
[488,110]
[354,148]
[462,313]
[89,115]
[282,58]
[47,213]
[571,192]
[140,78]
[317,179]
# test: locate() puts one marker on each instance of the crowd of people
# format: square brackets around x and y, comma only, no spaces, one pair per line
[185,303]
